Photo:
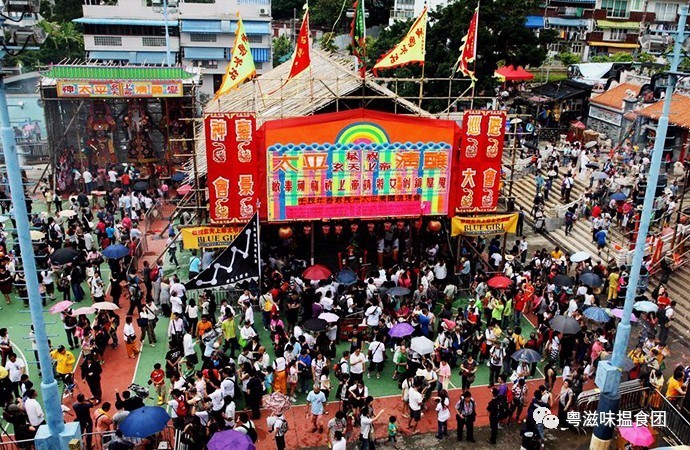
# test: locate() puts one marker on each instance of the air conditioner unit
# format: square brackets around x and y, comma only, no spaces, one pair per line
[264,12]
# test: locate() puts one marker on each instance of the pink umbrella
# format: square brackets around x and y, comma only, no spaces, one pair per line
[637,435]
[618,312]
[84,310]
[61,306]
[449,324]
[184,189]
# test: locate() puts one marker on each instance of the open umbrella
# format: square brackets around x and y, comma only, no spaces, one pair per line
[422,345]
[63,256]
[140,185]
[600,176]
[178,176]
[592,165]
[619,197]
[449,324]
[591,144]
[316,272]
[580,256]
[184,189]
[527,355]
[636,435]
[115,251]
[315,325]
[645,306]
[499,282]
[329,317]
[628,363]
[624,182]
[346,276]
[60,306]
[400,330]
[106,306]
[597,314]
[565,325]
[67,213]
[276,402]
[37,235]
[83,310]
[145,421]
[618,312]
[398,291]
[591,279]
[230,439]
[563,280]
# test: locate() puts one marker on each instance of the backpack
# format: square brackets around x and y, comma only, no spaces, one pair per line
[502,408]
[182,407]
[153,274]
[251,432]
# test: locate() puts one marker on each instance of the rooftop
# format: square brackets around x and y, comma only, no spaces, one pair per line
[103,72]
[613,98]
[680,111]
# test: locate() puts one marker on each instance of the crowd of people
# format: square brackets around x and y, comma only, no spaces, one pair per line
[224,354]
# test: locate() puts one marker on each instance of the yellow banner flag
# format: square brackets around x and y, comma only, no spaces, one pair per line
[241,64]
[484,225]
[412,49]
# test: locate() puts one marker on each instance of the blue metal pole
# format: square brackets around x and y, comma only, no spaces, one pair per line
[609,373]
[49,387]
[168,56]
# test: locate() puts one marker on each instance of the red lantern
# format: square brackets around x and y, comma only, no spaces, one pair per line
[285,232]
[434,226]
[387,226]
[371,227]
[326,229]
[338,230]
[306,229]
[354,227]
[400,225]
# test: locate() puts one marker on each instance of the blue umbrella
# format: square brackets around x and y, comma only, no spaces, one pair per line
[597,314]
[619,197]
[527,355]
[398,291]
[230,439]
[115,251]
[645,306]
[178,176]
[591,279]
[346,277]
[145,421]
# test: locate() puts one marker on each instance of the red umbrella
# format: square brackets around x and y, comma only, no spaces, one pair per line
[500,282]
[184,189]
[317,272]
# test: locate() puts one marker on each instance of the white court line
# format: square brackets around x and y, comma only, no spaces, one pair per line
[22,355]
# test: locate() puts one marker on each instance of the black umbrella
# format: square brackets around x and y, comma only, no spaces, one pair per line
[527,355]
[563,281]
[565,325]
[141,185]
[591,279]
[64,256]
[315,325]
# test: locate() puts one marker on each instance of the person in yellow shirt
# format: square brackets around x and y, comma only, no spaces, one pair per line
[229,329]
[637,355]
[518,339]
[65,361]
[614,278]
[557,253]
[674,389]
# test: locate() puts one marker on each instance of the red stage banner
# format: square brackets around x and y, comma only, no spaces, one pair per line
[477,177]
[233,166]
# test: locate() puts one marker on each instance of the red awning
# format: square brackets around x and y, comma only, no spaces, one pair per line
[512,73]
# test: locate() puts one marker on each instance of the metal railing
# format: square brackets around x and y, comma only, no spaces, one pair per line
[677,430]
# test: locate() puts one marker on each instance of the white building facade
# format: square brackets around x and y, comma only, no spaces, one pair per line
[201,34]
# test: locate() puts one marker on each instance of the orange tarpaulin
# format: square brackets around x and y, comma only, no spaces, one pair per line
[512,73]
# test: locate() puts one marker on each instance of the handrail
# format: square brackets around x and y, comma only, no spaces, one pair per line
[676,424]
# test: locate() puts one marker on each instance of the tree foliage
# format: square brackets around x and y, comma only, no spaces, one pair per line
[65,41]
[568,58]
[502,36]
[61,11]
[284,9]
[282,48]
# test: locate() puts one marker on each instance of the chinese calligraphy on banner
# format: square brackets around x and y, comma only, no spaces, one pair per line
[481,150]
[358,164]
[233,170]
[116,89]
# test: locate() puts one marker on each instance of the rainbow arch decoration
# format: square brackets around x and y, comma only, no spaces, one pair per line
[366,133]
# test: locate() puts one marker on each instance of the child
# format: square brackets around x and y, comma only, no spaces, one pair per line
[293,378]
[325,382]
[157,378]
[268,380]
[393,431]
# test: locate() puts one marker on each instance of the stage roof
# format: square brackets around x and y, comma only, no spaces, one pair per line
[103,72]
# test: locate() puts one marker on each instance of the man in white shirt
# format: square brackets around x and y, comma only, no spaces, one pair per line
[176,304]
[373,314]
[16,369]
[415,400]
[377,351]
[33,409]
[357,363]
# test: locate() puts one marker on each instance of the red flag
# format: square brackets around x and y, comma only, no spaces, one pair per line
[468,51]
[301,59]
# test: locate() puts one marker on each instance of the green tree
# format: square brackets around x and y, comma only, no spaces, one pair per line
[61,11]
[568,58]
[282,49]
[327,43]
[65,41]
[325,13]
[284,9]
[600,59]
[644,57]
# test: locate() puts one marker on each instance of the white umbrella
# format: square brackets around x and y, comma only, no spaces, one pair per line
[329,317]
[83,310]
[422,345]
[67,213]
[580,256]
[105,305]
[37,235]
[624,182]
[646,306]
[591,144]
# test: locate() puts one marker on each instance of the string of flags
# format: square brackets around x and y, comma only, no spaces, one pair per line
[410,50]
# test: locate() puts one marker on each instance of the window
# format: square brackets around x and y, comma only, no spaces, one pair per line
[202,37]
[147,41]
[615,8]
[109,41]
[255,38]
[129,30]
[206,64]
[617,35]
[577,48]
[637,5]
[666,12]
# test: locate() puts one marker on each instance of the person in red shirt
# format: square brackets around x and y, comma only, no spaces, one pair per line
[157,378]
[126,180]
[663,299]
[519,306]
[596,211]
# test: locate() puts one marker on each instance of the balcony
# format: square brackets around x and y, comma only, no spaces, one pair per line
[628,16]
[600,36]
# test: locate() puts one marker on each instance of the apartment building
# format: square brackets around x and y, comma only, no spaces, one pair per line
[201,33]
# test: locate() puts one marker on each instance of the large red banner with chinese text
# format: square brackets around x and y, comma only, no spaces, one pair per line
[360,163]
[233,166]
[477,168]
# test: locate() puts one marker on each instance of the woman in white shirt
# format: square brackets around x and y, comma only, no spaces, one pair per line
[192,313]
[130,338]
[442,414]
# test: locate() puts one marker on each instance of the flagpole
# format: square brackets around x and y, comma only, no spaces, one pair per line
[421,87]
[474,61]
